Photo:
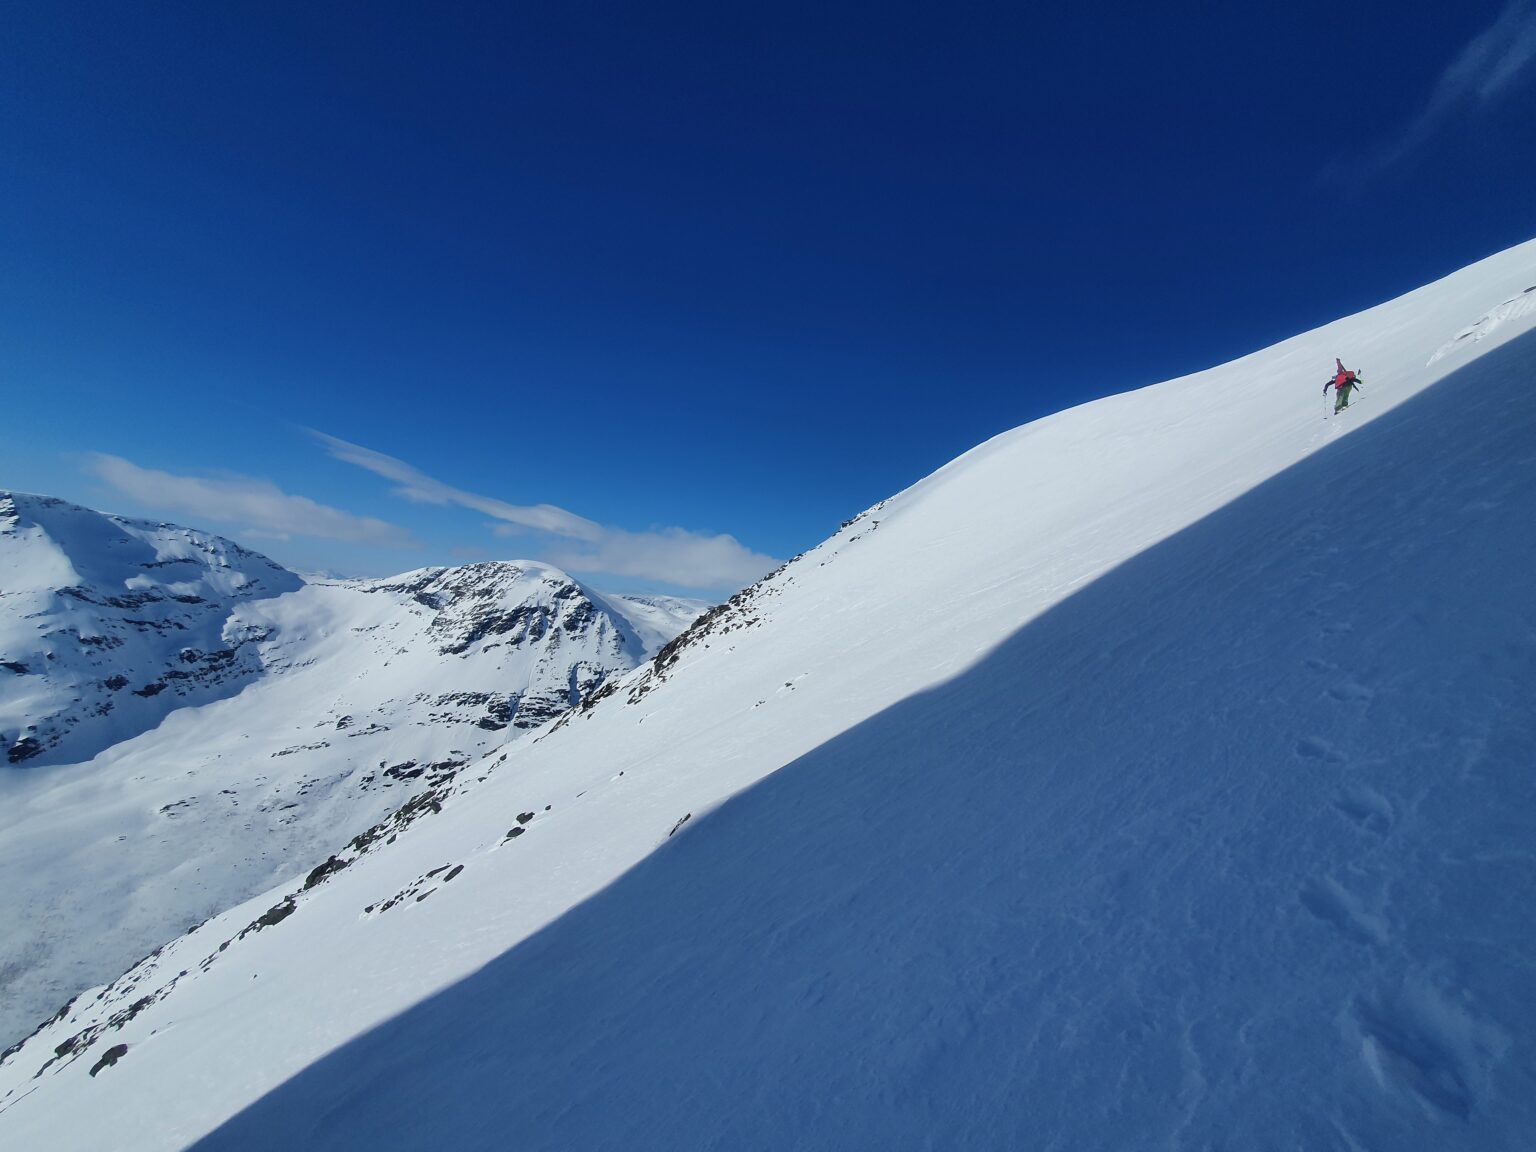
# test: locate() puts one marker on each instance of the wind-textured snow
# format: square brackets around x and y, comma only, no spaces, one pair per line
[351,696]
[1159,774]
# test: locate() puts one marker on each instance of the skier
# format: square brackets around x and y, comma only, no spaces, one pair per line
[1343,381]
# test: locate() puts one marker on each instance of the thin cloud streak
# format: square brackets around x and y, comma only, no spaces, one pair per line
[415,485]
[1493,60]
[259,505]
[671,555]
[1485,69]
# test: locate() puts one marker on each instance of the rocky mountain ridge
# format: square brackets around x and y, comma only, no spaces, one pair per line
[259,720]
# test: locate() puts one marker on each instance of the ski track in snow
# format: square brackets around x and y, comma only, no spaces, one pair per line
[1168,787]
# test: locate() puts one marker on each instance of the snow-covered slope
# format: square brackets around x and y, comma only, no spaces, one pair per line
[354,695]
[1155,775]
[107,624]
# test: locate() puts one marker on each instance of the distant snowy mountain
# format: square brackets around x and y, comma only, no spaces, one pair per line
[1155,775]
[305,711]
[107,624]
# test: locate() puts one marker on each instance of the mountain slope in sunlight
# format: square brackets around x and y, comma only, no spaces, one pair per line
[1154,774]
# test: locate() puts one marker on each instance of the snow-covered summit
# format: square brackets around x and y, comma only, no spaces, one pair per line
[580,636]
[107,624]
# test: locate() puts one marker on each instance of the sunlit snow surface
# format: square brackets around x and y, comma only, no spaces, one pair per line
[1157,775]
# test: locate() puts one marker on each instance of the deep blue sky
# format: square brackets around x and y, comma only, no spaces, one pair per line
[721,268]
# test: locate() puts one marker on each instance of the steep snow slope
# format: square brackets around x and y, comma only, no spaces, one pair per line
[356,693]
[107,624]
[1157,774]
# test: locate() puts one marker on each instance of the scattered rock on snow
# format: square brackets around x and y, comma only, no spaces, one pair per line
[110,1057]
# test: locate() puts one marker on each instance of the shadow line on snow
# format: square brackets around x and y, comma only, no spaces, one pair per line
[1185,858]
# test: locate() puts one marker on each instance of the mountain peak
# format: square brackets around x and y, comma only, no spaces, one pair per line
[46,538]
[110,623]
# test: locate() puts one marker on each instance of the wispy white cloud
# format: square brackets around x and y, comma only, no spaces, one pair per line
[671,555]
[260,507]
[690,559]
[1485,70]
[416,485]
[1492,61]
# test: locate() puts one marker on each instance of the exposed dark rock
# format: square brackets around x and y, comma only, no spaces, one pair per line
[48,1023]
[273,915]
[579,617]
[110,1057]
[301,748]
[82,1040]
[422,802]
[457,868]
[24,749]
[15,666]
[524,817]
[525,622]
[535,711]
[442,771]
[69,1045]
[118,1019]
[156,625]
[150,689]
[740,611]
[332,865]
